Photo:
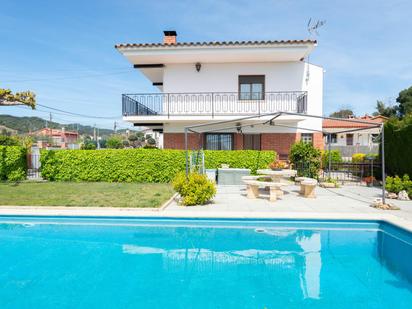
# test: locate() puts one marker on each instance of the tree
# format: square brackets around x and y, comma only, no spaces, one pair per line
[8,98]
[151,141]
[405,102]
[342,113]
[385,110]
[88,144]
[115,142]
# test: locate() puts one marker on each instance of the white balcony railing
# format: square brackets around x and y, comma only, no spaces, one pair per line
[213,103]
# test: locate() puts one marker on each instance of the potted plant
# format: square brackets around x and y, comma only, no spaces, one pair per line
[278,165]
[369,180]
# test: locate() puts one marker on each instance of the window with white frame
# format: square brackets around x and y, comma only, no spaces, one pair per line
[307,138]
[333,138]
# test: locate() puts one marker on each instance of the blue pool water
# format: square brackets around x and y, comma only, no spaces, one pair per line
[141,263]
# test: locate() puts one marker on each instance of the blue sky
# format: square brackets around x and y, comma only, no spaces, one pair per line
[63,50]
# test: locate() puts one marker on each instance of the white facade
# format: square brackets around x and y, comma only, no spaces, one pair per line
[358,139]
[200,83]
[223,77]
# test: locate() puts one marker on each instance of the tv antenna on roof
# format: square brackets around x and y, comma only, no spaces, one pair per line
[313,26]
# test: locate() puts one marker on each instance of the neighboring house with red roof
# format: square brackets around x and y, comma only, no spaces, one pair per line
[207,82]
[364,141]
[48,137]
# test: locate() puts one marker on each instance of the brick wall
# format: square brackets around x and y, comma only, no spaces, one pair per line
[238,141]
[177,140]
[280,142]
[318,140]
[169,39]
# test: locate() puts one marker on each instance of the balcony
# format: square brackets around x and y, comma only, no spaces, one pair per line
[213,103]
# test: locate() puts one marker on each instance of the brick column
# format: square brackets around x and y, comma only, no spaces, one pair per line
[318,140]
[238,141]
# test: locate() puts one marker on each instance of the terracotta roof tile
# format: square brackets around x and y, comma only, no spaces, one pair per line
[216,43]
[332,123]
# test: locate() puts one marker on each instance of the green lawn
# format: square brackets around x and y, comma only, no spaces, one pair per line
[96,194]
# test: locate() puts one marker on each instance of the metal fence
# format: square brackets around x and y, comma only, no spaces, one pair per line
[345,172]
[212,103]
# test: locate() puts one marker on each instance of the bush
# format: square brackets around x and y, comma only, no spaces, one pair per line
[398,146]
[9,140]
[13,165]
[336,157]
[250,159]
[358,157]
[151,141]
[195,189]
[138,165]
[306,159]
[397,184]
[115,142]
[88,145]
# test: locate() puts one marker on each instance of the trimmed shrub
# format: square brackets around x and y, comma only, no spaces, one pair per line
[358,157]
[13,165]
[306,159]
[398,146]
[195,189]
[138,165]
[9,140]
[397,184]
[336,157]
[250,159]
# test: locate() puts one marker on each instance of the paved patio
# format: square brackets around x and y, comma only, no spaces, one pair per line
[353,199]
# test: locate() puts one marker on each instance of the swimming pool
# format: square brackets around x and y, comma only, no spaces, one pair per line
[49,262]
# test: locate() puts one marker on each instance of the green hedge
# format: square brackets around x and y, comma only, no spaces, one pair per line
[13,165]
[138,165]
[398,146]
[335,157]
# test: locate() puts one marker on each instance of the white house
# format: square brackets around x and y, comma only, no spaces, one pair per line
[366,140]
[203,82]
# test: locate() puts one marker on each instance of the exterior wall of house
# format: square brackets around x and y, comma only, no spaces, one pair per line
[280,142]
[361,139]
[361,143]
[177,140]
[223,77]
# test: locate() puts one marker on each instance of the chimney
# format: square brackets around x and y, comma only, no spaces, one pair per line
[169,37]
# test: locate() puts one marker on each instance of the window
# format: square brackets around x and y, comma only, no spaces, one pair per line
[307,138]
[251,141]
[221,141]
[333,138]
[251,87]
[349,139]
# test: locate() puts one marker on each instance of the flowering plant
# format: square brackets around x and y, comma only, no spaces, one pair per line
[277,164]
[369,179]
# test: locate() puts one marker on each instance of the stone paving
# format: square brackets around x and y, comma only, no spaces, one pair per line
[347,199]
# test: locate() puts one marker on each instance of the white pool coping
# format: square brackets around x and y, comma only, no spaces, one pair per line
[142,213]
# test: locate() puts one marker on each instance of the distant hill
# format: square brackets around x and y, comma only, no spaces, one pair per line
[27,124]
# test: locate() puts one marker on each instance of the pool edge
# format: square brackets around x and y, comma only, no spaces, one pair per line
[131,213]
